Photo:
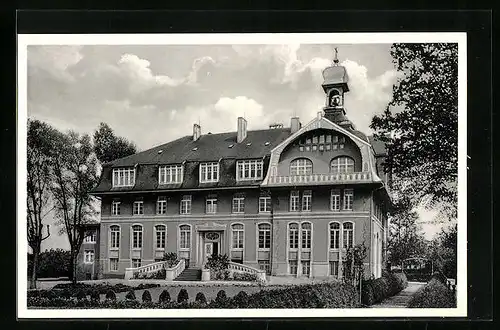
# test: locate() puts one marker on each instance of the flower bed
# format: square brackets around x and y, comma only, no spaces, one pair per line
[374,291]
[433,295]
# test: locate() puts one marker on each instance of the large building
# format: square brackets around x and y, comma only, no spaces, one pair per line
[288,200]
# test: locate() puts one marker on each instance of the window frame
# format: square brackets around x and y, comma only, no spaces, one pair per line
[115,211]
[140,208]
[211,205]
[118,237]
[348,203]
[255,165]
[140,234]
[155,239]
[117,264]
[161,205]
[119,174]
[188,199]
[132,261]
[304,246]
[240,201]
[266,237]
[298,169]
[337,238]
[296,240]
[240,231]
[345,233]
[92,238]
[344,166]
[337,193]
[86,253]
[176,178]
[267,200]
[306,196]
[188,241]
[205,168]
[294,201]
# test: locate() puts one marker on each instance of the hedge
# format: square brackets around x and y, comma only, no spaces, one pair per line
[375,290]
[434,294]
[322,295]
[68,290]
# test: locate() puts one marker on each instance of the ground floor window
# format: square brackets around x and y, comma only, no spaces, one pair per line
[293,267]
[89,256]
[265,266]
[334,268]
[136,263]
[113,264]
[306,268]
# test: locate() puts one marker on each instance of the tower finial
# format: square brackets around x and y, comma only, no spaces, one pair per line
[336,59]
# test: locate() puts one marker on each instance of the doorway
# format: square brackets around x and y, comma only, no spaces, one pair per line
[211,245]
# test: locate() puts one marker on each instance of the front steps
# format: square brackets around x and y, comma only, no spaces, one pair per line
[189,274]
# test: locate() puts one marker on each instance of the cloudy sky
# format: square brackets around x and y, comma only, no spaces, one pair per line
[154,94]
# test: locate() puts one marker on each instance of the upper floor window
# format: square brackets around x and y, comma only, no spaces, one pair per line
[185,204]
[322,141]
[211,204]
[348,199]
[137,237]
[238,204]
[348,234]
[334,235]
[265,204]
[160,231]
[342,164]
[115,208]
[301,166]
[237,236]
[209,172]
[114,236]
[138,208]
[249,170]
[335,200]
[161,205]
[306,200]
[264,236]
[91,236]
[123,177]
[294,201]
[185,237]
[170,174]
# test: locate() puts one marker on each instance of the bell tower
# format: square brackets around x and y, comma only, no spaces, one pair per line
[335,86]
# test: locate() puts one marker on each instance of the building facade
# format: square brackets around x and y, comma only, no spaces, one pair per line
[289,200]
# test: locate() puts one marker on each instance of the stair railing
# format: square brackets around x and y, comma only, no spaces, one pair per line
[145,269]
[172,273]
[240,268]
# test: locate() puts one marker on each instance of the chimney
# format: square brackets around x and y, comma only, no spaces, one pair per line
[196,132]
[242,129]
[295,124]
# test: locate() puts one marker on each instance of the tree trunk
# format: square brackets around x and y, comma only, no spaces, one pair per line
[34,270]
[73,264]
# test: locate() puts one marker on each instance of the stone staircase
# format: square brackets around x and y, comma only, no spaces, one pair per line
[189,274]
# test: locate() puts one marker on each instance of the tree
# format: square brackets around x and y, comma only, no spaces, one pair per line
[40,137]
[443,251]
[108,146]
[420,123]
[74,175]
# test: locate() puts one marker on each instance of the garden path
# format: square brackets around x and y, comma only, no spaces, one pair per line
[401,299]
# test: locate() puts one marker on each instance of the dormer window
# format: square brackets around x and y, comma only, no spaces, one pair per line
[209,172]
[249,170]
[123,177]
[170,174]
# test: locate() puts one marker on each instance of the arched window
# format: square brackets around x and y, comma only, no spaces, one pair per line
[306,235]
[114,231]
[264,236]
[334,235]
[342,164]
[238,234]
[293,234]
[137,237]
[160,232]
[348,234]
[301,166]
[185,237]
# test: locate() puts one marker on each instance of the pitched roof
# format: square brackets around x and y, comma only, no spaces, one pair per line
[378,146]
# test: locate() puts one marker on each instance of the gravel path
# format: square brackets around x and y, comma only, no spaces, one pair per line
[401,299]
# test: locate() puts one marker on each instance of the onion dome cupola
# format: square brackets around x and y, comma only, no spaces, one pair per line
[335,85]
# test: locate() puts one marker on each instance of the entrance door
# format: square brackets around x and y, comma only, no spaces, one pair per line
[215,248]
[209,250]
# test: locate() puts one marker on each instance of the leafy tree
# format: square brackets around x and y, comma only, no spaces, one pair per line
[443,251]
[40,139]
[420,124]
[74,175]
[108,146]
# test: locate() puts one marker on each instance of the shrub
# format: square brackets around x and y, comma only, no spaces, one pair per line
[221,296]
[171,259]
[80,295]
[130,295]
[94,295]
[110,295]
[433,295]
[241,299]
[218,262]
[200,298]
[375,290]
[164,297]
[250,277]
[146,296]
[183,296]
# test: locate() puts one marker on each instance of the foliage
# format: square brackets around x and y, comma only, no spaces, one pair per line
[130,295]
[433,295]
[240,300]
[94,295]
[353,266]
[249,277]
[80,294]
[171,259]
[420,125]
[375,290]
[218,265]
[110,295]
[443,251]
[164,297]
[53,263]
[200,297]
[221,296]
[182,296]
[160,274]
[102,288]
[146,296]
[404,239]
[108,146]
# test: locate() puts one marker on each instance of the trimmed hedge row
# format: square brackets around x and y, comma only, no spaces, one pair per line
[323,295]
[68,290]
[374,291]
[433,295]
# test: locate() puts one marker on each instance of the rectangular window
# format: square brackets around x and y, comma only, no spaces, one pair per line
[321,139]
[209,172]
[334,236]
[238,233]
[137,237]
[335,200]
[185,239]
[186,204]
[89,256]
[306,200]
[136,263]
[293,267]
[328,138]
[264,236]
[115,208]
[301,148]
[91,237]
[334,268]
[294,201]
[161,205]
[265,204]
[123,177]
[170,174]
[114,237]
[113,264]
[315,147]
[308,140]
[348,199]
[160,231]
[308,148]
[249,170]
[293,236]
[315,139]
[306,237]
[321,147]
[138,208]
[328,147]
[239,205]
[265,266]
[211,205]
[306,268]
